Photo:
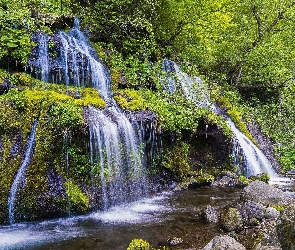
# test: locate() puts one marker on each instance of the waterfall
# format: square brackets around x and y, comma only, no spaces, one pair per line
[116,157]
[246,154]
[116,146]
[80,63]
[19,179]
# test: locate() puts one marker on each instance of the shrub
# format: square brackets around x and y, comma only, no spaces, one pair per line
[138,244]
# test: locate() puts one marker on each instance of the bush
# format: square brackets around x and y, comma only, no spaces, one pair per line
[138,244]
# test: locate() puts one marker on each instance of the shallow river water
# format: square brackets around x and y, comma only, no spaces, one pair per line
[154,219]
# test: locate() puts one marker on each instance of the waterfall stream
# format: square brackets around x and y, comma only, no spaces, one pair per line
[246,154]
[116,145]
[20,179]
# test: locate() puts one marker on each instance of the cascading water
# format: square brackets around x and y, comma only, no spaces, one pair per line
[19,179]
[115,143]
[247,156]
[80,62]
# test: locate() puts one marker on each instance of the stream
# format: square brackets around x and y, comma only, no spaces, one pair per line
[156,219]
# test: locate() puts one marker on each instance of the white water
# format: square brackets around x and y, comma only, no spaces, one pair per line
[247,155]
[20,178]
[31,235]
[80,62]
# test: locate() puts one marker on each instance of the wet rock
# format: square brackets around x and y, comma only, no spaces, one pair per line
[286,227]
[5,86]
[228,179]
[224,242]
[254,210]
[268,236]
[194,182]
[271,213]
[211,214]
[267,195]
[174,241]
[232,220]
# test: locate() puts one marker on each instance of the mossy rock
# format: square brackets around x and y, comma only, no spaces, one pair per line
[232,220]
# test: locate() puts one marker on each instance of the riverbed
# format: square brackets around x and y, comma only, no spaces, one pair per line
[154,219]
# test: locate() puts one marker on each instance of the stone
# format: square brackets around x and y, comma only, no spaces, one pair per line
[267,195]
[271,213]
[211,214]
[224,242]
[232,220]
[228,179]
[254,210]
[174,241]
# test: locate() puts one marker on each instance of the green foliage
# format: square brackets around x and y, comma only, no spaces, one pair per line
[263,177]
[244,180]
[78,200]
[176,162]
[130,99]
[125,24]
[138,244]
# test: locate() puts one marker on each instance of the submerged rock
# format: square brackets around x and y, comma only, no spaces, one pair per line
[224,242]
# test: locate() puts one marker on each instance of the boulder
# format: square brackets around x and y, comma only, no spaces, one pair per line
[232,220]
[267,195]
[224,242]
[211,214]
[286,227]
[228,179]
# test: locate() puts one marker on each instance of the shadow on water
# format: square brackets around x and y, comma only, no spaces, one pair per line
[153,219]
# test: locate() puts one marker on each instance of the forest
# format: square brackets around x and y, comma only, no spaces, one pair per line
[243,50]
[238,55]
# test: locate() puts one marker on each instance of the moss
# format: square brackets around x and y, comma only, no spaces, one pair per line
[130,99]
[244,180]
[263,177]
[176,162]
[138,244]
[78,200]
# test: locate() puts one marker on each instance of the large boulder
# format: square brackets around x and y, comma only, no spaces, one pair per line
[224,242]
[260,192]
[286,227]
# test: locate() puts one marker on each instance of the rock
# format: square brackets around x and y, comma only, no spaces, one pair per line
[286,227]
[174,241]
[253,210]
[268,236]
[194,182]
[267,195]
[228,179]
[232,220]
[6,86]
[211,214]
[224,242]
[271,213]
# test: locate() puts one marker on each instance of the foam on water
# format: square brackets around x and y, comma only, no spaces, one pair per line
[144,210]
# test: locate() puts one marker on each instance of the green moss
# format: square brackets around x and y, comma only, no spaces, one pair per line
[264,177]
[78,200]
[138,244]
[176,162]
[244,180]
[130,99]
[91,97]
